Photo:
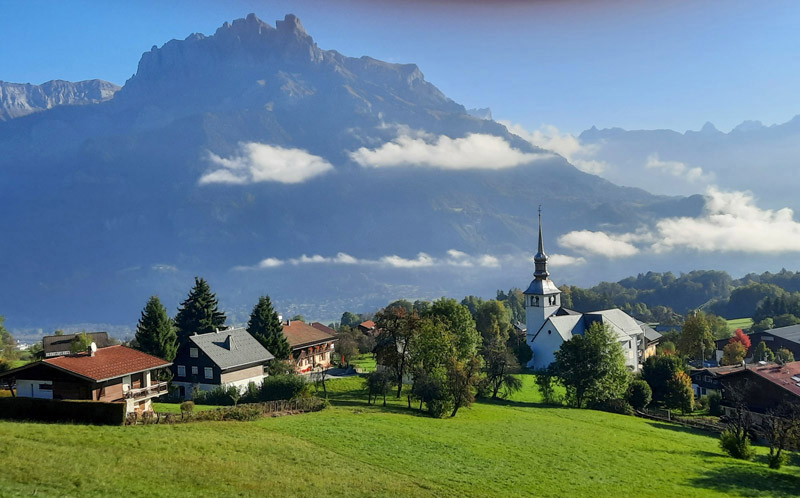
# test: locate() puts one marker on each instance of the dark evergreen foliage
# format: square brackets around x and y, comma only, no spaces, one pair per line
[266,327]
[199,313]
[155,333]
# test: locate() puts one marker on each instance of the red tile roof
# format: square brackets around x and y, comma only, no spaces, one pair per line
[107,363]
[782,375]
[323,328]
[369,324]
[301,334]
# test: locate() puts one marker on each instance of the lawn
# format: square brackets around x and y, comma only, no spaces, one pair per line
[365,362]
[509,448]
[176,407]
[740,323]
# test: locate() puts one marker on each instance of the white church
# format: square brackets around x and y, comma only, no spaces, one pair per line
[549,324]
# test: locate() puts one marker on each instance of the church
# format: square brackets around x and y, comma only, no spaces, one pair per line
[549,324]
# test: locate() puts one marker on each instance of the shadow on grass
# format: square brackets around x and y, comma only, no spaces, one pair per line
[748,480]
[681,428]
[520,404]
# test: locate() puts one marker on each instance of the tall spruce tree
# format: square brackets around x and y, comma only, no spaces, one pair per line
[265,326]
[155,332]
[199,313]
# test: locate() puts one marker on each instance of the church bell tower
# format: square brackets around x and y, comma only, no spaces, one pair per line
[542,299]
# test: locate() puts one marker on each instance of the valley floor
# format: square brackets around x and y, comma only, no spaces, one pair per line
[509,448]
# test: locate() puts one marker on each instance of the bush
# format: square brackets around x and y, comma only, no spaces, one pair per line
[220,395]
[702,403]
[735,445]
[187,407]
[775,460]
[715,404]
[613,406]
[54,410]
[639,394]
[547,382]
[283,387]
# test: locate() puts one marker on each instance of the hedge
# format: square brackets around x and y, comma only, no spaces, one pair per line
[54,410]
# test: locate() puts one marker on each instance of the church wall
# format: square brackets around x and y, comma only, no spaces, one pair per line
[547,342]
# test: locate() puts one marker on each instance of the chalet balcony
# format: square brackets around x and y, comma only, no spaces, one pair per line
[150,391]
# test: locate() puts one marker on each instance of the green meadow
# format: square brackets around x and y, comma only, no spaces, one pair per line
[740,323]
[515,447]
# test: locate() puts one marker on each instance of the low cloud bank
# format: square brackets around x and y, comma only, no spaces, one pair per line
[257,163]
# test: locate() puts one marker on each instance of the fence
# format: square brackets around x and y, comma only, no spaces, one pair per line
[242,412]
[667,416]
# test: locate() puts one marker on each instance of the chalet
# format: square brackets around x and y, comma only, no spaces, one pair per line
[112,374]
[323,327]
[761,386]
[708,380]
[311,347]
[775,339]
[230,357]
[58,345]
[549,324]
[368,327]
[651,340]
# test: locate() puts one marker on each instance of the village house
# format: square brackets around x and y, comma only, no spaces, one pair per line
[775,339]
[58,345]
[549,324]
[311,348]
[761,386]
[707,380]
[113,374]
[367,327]
[230,357]
[323,327]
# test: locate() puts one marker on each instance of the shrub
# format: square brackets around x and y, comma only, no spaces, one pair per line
[784,355]
[715,404]
[613,406]
[283,387]
[702,403]
[763,353]
[546,382]
[220,395]
[639,394]
[736,445]
[775,460]
[187,407]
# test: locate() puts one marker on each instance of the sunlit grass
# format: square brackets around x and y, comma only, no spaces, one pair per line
[740,323]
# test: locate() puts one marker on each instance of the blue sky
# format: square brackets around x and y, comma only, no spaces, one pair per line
[572,64]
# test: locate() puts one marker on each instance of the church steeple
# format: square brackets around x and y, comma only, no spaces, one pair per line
[540,260]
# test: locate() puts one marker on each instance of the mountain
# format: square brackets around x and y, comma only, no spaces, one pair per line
[670,162]
[254,144]
[18,99]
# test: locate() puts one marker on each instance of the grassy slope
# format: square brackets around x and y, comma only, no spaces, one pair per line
[740,323]
[510,448]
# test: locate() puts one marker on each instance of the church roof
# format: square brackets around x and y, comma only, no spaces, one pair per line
[568,325]
[542,287]
[621,323]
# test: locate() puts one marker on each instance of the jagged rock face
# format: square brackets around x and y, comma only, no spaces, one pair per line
[21,99]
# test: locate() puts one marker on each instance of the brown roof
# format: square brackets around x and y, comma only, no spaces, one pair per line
[323,328]
[301,334]
[786,376]
[107,363]
[369,324]
[53,344]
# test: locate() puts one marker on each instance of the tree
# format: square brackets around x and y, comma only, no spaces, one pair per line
[350,320]
[462,376]
[762,325]
[666,348]
[80,344]
[267,329]
[457,319]
[784,355]
[733,353]
[492,321]
[7,341]
[155,333]
[499,366]
[718,326]
[639,394]
[298,318]
[398,331]
[378,384]
[546,383]
[679,393]
[657,372]
[199,313]
[781,428]
[347,346]
[592,366]
[696,339]
[762,352]
[785,320]
[740,336]
[735,440]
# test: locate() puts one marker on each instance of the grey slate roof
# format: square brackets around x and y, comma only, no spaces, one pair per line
[542,287]
[649,333]
[232,348]
[790,333]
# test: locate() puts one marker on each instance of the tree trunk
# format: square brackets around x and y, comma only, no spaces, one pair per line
[455,410]
[384,399]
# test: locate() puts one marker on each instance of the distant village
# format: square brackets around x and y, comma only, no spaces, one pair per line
[442,354]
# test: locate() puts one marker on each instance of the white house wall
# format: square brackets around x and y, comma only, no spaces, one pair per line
[545,344]
[30,389]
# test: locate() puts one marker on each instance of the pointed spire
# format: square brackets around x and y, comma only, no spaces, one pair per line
[540,260]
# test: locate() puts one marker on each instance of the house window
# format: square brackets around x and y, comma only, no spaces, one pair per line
[194,370]
[209,372]
[181,371]
[193,352]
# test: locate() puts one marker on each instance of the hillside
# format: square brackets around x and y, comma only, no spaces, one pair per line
[514,448]
[254,145]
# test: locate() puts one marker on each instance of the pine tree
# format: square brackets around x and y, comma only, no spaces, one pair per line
[155,332]
[199,313]
[265,326]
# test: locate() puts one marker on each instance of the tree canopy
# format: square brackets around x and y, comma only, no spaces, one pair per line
[265,326]
[199,313]
[155,333]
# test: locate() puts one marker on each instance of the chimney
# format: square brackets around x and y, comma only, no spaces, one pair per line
[92,349]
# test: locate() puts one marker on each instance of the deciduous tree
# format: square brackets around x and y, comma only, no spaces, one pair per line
[740,336]
[696,339]
[679,393]
[80,344]
[398,332]
[657,372]
[733,353]
[762,352]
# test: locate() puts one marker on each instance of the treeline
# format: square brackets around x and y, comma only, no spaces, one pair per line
[666,297]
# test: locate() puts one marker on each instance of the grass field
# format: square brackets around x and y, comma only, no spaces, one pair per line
[176,407]
[510,448]
[365,362]
[740,323]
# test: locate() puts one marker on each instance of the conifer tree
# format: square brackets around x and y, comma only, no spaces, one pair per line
[199,313]
[155,332]
[265,326]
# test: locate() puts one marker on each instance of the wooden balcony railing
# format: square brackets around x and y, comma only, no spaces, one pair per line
[152,390]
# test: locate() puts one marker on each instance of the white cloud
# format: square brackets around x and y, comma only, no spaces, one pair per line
[265,163]
[164,268]
[475,151]
[599,243]
[422,260]
[562,260]
[270,263]
[678,169]
[548,137]
[732,222]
